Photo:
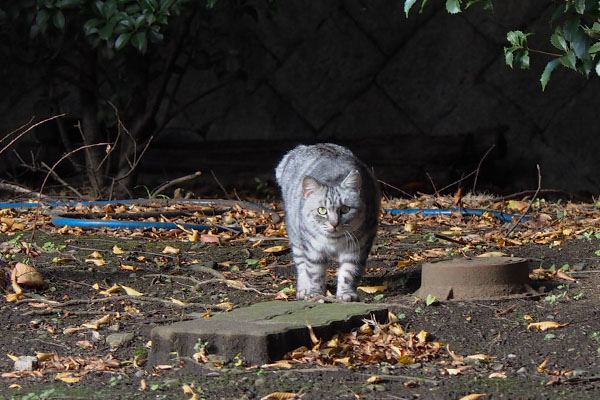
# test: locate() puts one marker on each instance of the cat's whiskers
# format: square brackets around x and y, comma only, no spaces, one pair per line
[352,241]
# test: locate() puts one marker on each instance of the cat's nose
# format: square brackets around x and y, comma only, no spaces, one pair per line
[334,224]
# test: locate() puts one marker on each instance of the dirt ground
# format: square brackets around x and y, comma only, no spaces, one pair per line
[66,322]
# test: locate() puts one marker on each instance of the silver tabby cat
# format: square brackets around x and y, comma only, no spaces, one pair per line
[332,206]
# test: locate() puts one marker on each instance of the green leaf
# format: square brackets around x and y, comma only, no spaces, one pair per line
[547,72]
[580,6]
[597,69]
[508,56]
[67,3]
[210,3]
[430,299]
[568,60]
[580,44]
[558,40]
[423,4]
[594,48]
[453,6]
[517,38]
[106,31]
[252,261]
[122,40]
[109,8]
[408,5]
[58,19]
[91,26]
[570,28]
[140,42]
[150,5]
[522,59]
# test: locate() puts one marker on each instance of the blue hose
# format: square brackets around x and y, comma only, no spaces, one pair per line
[447,211]
[101,223]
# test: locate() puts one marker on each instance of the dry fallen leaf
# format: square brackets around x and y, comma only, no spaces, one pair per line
[344,361]
[178,302]
[117,250]
[131,291]
[497,375]
[563,275]
[279,364]
[275,249]
[493,254]
[171,250]
[410,227]
[372,289]
[423,336]
[403,263]
[542,367]
[44,356]
[67,377]
[27,276]
[374,379]
[98,262]
[474,396]
[96,254]
[545,325]
[125,267]
[279,396]
[480,356]
[114,288]
[207,238]
[187,389]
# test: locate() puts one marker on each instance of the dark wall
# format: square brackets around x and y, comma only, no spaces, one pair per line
[428,94]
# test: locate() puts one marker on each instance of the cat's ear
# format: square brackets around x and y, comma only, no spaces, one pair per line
[310,185]
[352,181]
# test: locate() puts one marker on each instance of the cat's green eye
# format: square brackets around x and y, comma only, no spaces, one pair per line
[344,209]
[322,210]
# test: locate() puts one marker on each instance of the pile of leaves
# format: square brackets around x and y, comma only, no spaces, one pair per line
[371,343]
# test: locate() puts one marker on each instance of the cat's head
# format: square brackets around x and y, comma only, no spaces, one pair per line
[333,209]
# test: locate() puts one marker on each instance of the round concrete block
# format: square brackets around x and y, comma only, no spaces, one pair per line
[474,278]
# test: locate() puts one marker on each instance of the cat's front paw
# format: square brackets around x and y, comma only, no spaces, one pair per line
[308,295]
[347,296]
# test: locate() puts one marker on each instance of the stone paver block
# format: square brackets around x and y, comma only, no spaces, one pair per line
[262,333]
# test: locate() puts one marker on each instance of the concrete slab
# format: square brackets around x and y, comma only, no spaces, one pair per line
[262,333]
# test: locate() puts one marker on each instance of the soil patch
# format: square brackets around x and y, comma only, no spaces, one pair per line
[68,319]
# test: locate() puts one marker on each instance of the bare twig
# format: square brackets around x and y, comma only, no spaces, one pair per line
[28,130]
[449,239]
[395,188]
[220,185]
[463,177]
[69,154]
[120,126]
[135,299]
[10,187]
[9,134]
[435,191]
[65,183]
[136,161]
[228,282]
[479,166]
[530,203]
[524,193]
[170,183]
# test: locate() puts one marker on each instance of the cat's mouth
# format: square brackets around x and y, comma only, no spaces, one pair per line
[336,232]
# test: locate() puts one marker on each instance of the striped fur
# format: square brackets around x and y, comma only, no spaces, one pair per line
[332,205]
